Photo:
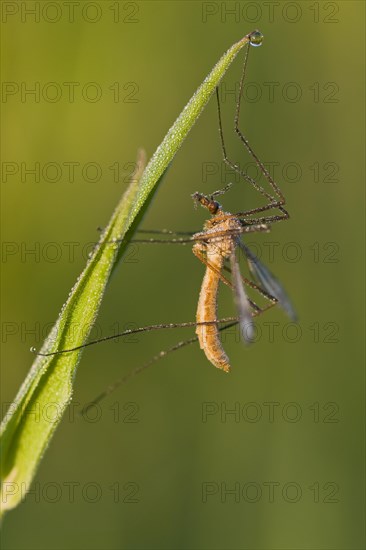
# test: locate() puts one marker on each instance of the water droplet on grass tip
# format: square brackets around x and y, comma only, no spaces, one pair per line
[256,38]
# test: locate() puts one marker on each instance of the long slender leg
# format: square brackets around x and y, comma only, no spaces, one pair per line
[260,220]
[115,385]
[235,166]
[165,232]
[270,219]
[204,236]
[201,257]
[163,241]
[163,353]
[129,332]
[244,140]
[273,201]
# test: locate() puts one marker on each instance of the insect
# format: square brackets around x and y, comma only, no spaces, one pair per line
[221,236]
[216,247]
[218,242]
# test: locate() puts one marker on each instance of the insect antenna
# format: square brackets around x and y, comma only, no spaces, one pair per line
[221,191]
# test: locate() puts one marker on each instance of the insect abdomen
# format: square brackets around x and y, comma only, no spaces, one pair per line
[208,335]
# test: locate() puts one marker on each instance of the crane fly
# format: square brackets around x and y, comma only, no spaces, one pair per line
[214,251]
[217,246]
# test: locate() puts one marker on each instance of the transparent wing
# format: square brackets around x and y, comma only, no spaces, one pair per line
[242,302]
[269,282]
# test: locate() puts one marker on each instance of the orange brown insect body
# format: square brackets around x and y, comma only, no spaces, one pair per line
[213,253]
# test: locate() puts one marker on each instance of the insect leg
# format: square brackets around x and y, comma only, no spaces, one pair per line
[276,200]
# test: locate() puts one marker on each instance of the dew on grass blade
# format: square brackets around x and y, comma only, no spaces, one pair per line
[256,38]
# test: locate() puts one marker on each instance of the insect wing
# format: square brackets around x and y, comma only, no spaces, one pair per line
[269,282]
[242,302]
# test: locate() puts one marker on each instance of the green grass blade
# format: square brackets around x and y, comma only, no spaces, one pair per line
[41,401]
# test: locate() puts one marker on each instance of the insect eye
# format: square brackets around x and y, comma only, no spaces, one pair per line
[213,206]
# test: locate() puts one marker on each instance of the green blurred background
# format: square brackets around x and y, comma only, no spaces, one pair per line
[155,470]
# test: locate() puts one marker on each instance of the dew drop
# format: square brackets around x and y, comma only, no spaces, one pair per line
[256,38]
[33,349]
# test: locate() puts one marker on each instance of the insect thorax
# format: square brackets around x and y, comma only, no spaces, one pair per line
[227,228]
